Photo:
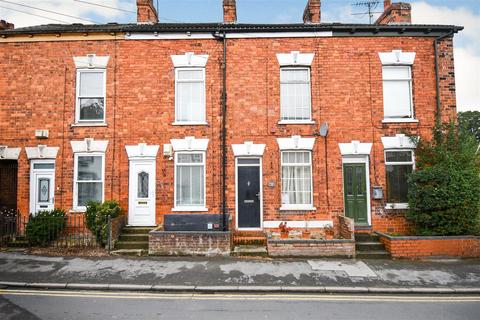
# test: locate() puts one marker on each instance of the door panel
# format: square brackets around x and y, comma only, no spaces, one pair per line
[142,193]
[8,184]
[42,186]
[248,197]
[355,192]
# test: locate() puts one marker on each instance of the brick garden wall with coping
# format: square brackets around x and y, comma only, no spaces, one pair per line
[311,248]
[414,247]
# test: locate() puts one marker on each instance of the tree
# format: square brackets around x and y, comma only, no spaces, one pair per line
[469,121]
[444,191]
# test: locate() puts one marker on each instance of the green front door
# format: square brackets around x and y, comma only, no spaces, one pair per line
[355,189]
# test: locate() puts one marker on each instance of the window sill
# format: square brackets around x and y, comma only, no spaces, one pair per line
[89,124]
[296,122]
[189,123]
[189,209]
[297,208]
[399,120]
[396,206]
[78,210]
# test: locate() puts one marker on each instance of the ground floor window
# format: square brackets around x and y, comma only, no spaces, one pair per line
[89,179]
[189,180]
[399,164]
[296,167]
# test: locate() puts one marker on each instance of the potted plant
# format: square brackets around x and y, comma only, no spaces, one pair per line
[328,232]
[284,230]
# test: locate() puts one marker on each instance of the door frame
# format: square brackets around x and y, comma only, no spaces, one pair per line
[131,199]
[260,173]
[365,160]
[33,185]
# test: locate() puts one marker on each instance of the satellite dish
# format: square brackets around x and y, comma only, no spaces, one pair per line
[324,129]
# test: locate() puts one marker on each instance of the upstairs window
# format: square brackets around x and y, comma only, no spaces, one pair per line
[90,96]
[190,96]
[399,164]
[397,92]
[295,94]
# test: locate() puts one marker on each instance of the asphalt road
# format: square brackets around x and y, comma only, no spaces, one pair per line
[31,304]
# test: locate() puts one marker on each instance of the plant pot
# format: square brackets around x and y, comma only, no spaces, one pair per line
[306,234]
[329,236]
[283,235]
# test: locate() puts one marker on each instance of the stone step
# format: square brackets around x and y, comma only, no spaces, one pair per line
[369,246]
[141,245]
[129,237]
[378,254]
[137,230]
[129,252]
[250,240]
[366,237]
[250,250]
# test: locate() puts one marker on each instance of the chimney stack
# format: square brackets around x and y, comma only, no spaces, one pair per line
[4,25]
[395,13]
[146,12]
[312,13]
[229,11]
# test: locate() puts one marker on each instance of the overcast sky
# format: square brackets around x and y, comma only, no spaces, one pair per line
[459,12]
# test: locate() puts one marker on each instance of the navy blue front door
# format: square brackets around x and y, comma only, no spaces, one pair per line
[248,196]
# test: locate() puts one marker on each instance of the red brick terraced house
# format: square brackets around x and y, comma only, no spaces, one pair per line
[256,123]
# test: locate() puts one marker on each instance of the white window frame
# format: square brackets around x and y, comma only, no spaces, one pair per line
[411,118]
[77,97]
[76,207]
[204,102]
[397,205]
[303,207]
[302,121]
[204,164]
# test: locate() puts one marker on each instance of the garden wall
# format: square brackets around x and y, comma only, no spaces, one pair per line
[311,248]
[204,243]
[422,247]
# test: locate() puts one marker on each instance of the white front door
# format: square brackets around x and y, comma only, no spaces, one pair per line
[141,208]
[42,186]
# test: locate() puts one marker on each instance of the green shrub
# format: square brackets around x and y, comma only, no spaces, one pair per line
[444,190]
[96,218]
[45,226]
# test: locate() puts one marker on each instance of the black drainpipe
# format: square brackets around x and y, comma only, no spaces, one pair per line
[438,117]
[223,37]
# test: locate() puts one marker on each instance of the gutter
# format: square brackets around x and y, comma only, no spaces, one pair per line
[223,37]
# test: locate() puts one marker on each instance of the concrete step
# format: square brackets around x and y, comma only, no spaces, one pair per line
[366,237]
[140,245]
[378,254]
[137,230]
[250,250]
[133,237]
[129,252]
[369,246]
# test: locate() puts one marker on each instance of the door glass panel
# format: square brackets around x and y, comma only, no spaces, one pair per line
[43,190]
[360,184]
[349,182]
[142,186]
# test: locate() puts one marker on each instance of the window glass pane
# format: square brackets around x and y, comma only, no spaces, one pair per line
[43,190]
[190,158]
[398,156]
[190,101]
[92,108]
[248,161]
[89,191]
[396,73]
[397,186]
[296,179]
[190,74]
[294,75]
[91,84]
[43,166]
[397,100]
[89,168]
[295,100]
[142,185]
[190,186]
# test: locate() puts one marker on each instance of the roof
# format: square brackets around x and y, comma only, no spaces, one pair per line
[221,27]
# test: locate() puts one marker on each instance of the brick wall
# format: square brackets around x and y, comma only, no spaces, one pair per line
[422,247]
[208,243]
[38,82]
[347,227]
[310,248]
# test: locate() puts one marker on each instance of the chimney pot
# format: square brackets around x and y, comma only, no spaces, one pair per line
[146,12]
[312,13]
[229,11]
[395,13]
